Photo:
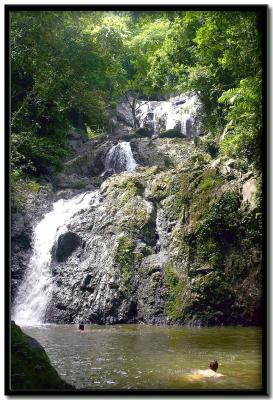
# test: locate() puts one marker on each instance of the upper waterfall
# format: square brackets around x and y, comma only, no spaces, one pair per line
[179,113]
[119,158]
[37,286]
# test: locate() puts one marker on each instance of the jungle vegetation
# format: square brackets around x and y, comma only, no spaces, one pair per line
[68,68]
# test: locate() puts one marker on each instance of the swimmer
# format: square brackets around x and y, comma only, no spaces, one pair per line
[81,327]
[203,374]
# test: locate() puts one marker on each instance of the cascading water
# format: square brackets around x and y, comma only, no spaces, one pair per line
[36,289]
[37,286]
[178,113]
[120,158]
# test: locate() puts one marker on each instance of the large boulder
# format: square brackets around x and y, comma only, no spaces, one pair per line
[30,366]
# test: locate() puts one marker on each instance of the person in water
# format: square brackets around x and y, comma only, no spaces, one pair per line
[213,365]
[81,327]
[203,374]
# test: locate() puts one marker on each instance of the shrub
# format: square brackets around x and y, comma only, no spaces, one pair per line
[171,133]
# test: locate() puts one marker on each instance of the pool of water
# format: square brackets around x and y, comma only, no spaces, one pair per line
[152,357]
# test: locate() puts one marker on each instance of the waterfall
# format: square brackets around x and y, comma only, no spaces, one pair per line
[119,158]
[178,113]
[37,286]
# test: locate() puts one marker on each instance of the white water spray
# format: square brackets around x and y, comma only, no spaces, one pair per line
[120,158]
[37,286]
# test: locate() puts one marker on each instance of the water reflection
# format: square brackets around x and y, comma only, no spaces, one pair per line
[151,357]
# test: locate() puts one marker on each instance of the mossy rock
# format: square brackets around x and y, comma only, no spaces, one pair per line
[161,186]
[137,218]
[30,366]
[177,294]
[199,190]
[124,258]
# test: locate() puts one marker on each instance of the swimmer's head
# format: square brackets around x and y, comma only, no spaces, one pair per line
[213,365]
[81,326]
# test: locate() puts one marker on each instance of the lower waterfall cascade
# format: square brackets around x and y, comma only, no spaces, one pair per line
[37,286]
[119,158]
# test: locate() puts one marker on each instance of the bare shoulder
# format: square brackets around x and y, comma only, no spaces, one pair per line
[203,374]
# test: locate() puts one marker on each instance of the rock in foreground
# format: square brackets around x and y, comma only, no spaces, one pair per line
[30,365]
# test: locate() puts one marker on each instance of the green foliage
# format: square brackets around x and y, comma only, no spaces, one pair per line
[20,189]
[219,230]
[210,53]
[243,138]
[206,52]
[61,76]
[170,133]
[208,144]
[148,36]
[175,288]
[253,225]
[124,259]
[213,299]
[91,134]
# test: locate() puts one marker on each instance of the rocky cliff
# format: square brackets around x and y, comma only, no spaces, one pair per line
[177,240]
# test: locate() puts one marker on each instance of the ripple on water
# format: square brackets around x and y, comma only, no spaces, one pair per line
[152,357]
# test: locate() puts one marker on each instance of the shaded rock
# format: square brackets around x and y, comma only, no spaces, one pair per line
[124,113]
[151,290]
[66,244]
[30,366]
[76,139]
[144,132]
[172,133]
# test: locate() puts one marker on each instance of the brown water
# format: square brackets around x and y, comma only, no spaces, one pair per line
[152,357]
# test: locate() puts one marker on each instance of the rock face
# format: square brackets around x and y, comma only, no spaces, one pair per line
[30,365]
[176,239]
[156,251]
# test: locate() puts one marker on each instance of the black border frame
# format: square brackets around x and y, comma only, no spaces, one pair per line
[265,151]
